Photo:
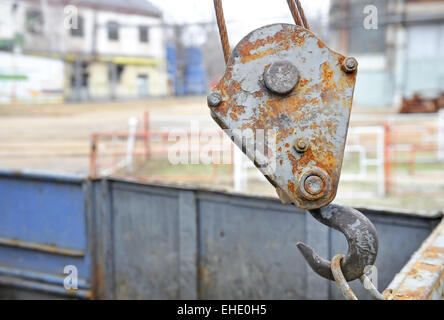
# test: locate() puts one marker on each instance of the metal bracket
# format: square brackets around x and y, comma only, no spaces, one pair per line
[282,78]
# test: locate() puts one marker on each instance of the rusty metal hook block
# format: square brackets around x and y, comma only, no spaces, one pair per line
[360,235]
[282,77]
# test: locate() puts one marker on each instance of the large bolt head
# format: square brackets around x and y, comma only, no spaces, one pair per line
[314,184]
[281,77]
[214,99]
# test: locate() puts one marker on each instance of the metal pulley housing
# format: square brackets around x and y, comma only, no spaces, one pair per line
[282,78]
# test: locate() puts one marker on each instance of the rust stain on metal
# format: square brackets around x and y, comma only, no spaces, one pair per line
[98,279]
[423,276]
[249,50]
[204,274]
[316,110]
[48,248]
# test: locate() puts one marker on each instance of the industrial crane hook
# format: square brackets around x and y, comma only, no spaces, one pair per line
[361,238]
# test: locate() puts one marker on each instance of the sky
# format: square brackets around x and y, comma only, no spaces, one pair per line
[242,16]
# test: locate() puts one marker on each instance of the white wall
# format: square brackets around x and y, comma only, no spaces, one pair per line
[6,20]
[60,39]
[81,44]
[43,75]
[425,59]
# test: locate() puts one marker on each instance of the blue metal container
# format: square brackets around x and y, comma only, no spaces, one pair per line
[195,74]
[43,228]
[193,57]
[171,58]
[172,66]
[195,80]
[134,241]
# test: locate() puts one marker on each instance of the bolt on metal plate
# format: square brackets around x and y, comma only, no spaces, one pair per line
[214,99]
[281,77]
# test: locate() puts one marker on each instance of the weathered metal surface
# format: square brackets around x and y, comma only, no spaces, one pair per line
[146,223]
[398,234]
[361,239]
[419,104]
[317,109]
[422,278]
[243,245]
[154,241]
[41,247]
[42,230]
[247,249]
[281,77]
[25,285]
[37,281]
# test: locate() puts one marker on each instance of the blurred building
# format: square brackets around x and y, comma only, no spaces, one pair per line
[403,55]
[111,49]
[186,55]
[186,70]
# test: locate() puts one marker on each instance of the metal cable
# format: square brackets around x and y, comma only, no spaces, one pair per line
[222,29]
[371,289]
[340,279]
[295,8]
[302,14]
[294,12]
[345,289]
[298,13]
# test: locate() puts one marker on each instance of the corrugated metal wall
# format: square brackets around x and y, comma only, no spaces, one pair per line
[43,229]
[162,242]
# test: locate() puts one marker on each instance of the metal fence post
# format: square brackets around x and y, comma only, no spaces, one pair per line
[93,156]
[147,136]
[387,158]
[441,135]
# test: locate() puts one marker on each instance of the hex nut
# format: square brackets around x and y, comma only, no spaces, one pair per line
[314,184]
[301,146]
[350,65]
[214,99]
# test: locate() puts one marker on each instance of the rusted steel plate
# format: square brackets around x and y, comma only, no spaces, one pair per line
[51,248]
[422,278]
[281,78]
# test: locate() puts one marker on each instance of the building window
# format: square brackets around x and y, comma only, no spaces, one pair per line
[142,86]
[143,34]
[115,72]
[34,21]
[78,31]
[113,31]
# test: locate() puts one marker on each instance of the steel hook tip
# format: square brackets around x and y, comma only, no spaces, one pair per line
[361,237]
